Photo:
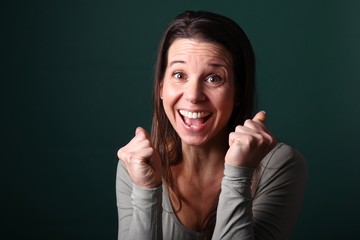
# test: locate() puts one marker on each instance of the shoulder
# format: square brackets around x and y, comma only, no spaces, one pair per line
[283,155]
[278,191]
[282,167]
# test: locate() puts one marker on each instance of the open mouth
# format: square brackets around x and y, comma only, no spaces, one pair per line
[194,119]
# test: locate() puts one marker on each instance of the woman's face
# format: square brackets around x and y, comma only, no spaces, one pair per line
[198,90]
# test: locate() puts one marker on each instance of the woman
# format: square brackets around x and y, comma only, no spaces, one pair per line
[209,169]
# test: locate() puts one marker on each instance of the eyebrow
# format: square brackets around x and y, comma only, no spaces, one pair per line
[176,61]
[217,65]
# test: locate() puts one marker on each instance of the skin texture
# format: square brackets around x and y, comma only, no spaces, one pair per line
[250,143]
[141,160]
[198,78]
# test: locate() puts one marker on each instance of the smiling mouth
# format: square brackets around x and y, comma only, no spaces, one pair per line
[194,119]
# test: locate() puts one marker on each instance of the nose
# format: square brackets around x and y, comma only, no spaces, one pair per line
[194,91]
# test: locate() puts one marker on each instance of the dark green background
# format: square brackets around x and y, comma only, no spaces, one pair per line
[76,81]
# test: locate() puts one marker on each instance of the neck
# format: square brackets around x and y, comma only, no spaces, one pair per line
[208,155]
[197,181]
[197,160]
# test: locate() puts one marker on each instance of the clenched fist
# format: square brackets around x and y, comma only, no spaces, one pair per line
[142,160]
[250,143]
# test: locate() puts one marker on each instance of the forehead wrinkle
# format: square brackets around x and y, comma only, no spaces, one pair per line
[185,51]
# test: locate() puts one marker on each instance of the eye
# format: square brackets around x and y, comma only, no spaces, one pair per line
[214,79]
[178,75]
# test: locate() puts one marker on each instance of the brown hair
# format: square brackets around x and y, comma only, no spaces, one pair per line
[207,27]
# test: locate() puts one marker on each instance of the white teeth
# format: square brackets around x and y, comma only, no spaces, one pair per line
[193,114]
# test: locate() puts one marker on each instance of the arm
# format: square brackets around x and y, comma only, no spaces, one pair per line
[273,211]
[139,209]
[279,193]
[234,214]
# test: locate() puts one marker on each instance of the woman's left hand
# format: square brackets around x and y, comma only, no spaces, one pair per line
[250,143]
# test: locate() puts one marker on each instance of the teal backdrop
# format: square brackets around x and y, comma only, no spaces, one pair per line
[76,80]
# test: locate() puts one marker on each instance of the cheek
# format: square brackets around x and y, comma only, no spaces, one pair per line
[225,104]
[170,93]
[224,96]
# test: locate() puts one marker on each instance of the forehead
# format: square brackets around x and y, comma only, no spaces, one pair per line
[186,48]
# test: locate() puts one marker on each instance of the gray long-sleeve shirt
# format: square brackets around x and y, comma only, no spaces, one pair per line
[267,209]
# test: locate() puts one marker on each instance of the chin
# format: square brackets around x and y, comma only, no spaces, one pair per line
[196,141]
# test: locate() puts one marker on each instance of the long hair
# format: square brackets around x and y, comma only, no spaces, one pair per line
[212,28]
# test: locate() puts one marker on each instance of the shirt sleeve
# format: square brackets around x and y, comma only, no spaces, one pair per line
[139,210]
[278,193]
[234,214]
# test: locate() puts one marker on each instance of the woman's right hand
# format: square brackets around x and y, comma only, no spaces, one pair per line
[141,160]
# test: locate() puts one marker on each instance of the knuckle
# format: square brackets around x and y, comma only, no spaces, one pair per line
[249,140]
[120,153]
[247,122]
[124,155]
[238,128]
[242,140]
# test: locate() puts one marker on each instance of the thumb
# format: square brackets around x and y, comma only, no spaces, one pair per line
[141,130]
[260,117]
